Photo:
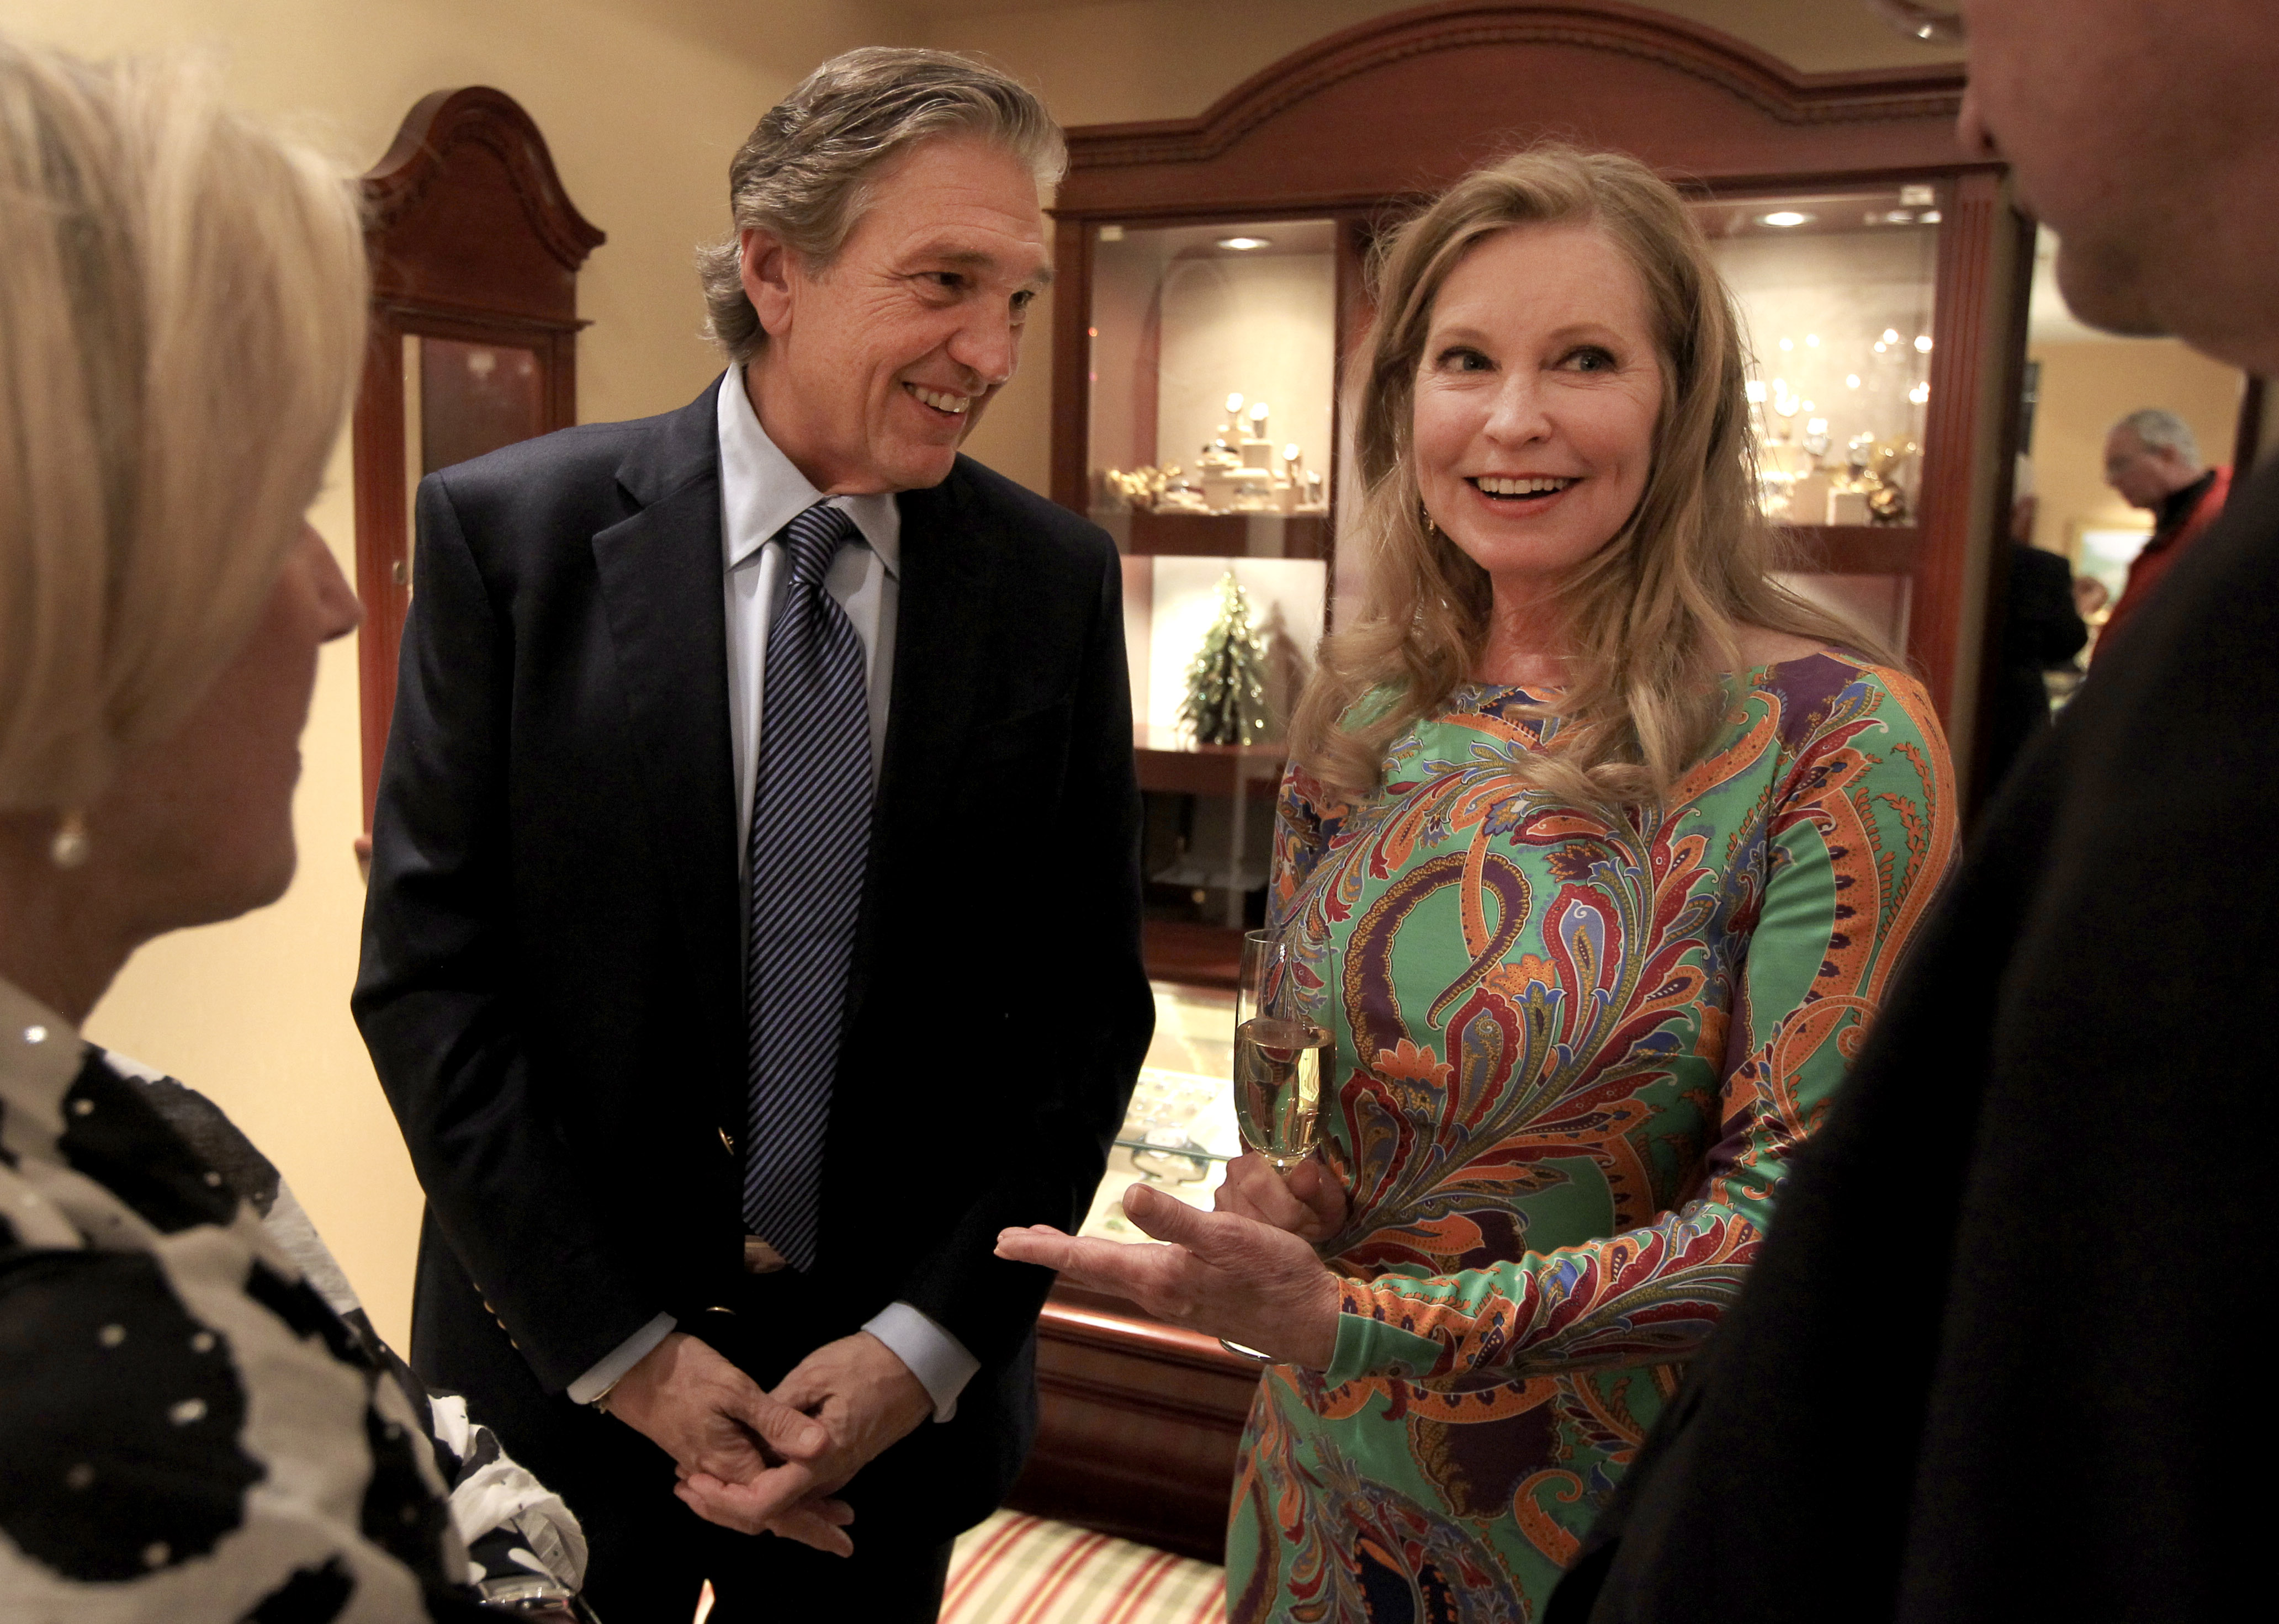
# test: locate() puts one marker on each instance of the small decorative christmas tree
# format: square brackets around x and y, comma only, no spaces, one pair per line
[1226,686]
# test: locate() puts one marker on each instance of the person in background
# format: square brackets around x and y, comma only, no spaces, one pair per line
[1989,1365]
[678,949]
[2042,631]
[1600,846]
[2154,459]
[187,1430]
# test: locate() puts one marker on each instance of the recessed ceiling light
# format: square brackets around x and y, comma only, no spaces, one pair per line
[1240,243]
[1784,217]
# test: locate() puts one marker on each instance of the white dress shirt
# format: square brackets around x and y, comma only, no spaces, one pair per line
[760,491]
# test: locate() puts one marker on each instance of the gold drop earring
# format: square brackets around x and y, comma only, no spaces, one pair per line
[69,848]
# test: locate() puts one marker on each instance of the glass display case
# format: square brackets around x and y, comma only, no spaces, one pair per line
[1211,385]
[1210,428]
[1838,292]
[1210,440]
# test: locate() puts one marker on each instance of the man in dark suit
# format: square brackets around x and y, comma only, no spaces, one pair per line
[1989,1365]
[754,920]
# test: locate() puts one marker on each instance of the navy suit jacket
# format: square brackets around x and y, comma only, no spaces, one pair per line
[550,984]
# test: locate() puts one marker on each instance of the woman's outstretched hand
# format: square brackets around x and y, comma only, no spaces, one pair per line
[1307,1202]
[1221,1273]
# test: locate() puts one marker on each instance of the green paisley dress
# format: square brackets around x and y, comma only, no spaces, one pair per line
[1575,1052]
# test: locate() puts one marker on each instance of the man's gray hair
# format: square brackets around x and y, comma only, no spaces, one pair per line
[2160,429]
[805,173]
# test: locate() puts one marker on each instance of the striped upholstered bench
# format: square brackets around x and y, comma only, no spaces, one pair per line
[1019,1570]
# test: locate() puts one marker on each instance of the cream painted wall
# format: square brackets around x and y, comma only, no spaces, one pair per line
[642,101]
[642,105]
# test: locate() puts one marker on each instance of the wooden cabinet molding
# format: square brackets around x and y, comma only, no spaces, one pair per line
[472,239]
[1401,105]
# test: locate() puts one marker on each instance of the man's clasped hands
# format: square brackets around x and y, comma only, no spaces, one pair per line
[772,1463]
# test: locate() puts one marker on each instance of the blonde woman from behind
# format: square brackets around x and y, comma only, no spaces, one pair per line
[188,1431]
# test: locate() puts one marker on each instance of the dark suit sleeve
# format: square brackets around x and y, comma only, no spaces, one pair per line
[435,994]
[1081,1020]
[2048,628]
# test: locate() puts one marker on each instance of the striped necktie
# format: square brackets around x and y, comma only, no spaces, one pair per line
[811,834]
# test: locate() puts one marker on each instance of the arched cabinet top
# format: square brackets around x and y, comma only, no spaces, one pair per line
[466,213]
[1402,105]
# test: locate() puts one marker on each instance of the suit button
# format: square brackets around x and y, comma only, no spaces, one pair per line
[727,1141]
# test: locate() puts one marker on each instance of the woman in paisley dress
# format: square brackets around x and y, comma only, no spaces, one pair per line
[1601,847]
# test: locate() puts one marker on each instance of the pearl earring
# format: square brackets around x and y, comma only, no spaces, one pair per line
[69,848]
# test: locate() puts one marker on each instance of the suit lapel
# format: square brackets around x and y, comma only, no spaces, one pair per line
[660,574]
[940,640]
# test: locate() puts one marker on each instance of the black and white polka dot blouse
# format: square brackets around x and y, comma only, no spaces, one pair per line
[186,1431]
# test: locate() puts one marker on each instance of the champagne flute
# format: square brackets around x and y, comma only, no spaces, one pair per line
[1281,1050]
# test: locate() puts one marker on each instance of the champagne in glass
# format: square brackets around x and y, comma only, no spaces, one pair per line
[1281,1055]
[1281,1047]
[1277,1092]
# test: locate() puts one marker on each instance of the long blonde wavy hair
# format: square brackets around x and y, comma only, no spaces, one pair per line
[1655,618]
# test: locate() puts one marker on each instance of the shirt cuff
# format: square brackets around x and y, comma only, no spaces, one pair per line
[937,1358]
[628,1353]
